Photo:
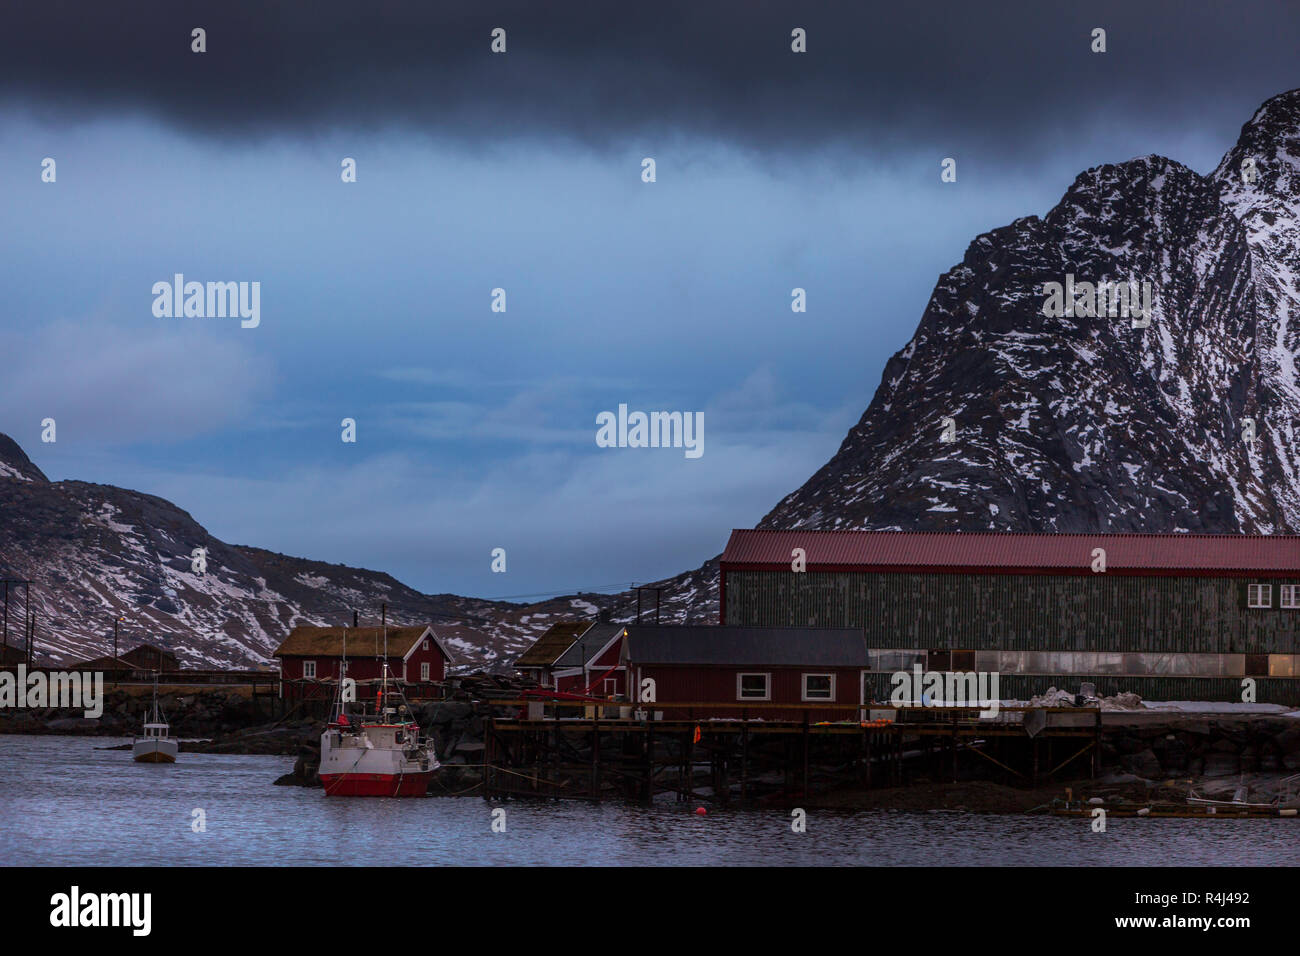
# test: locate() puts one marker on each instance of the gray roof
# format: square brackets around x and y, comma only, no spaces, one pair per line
[748,646]
[588,645]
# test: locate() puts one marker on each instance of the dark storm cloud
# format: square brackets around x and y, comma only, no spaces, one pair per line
[601,72]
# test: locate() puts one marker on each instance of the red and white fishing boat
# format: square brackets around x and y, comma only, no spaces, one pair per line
[375,755]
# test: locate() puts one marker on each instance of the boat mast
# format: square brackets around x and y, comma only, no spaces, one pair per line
[343,673]
[383,617]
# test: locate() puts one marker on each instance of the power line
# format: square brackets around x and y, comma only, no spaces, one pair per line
[620,586]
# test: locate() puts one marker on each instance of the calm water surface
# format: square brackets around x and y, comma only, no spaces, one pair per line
[64,802]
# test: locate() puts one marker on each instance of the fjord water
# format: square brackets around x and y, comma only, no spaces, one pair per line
[62,802]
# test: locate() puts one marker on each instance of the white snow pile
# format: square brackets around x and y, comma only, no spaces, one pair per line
[1063,698]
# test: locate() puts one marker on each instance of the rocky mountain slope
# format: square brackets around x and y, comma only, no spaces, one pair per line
[98,552]
[1079,423]
[1070,422]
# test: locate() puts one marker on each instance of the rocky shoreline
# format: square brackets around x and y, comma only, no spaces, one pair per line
[191,712]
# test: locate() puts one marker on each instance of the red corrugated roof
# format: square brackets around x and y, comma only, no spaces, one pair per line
[1010,551]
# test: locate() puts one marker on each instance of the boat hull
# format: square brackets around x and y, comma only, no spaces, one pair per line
[154,751]
[375,760]
[376,784]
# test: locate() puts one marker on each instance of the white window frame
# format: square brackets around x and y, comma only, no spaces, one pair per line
[1289,596]
[1259,595]
[426,644]
[611,686]
[424,670]
[803,689]
[309,670]
[767,685]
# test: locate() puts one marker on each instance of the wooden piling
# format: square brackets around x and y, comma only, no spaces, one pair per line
[595,758]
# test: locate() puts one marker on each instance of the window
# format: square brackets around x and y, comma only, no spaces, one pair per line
[1281,665]
[753,686]
[425,645]
[309,670]
[611,686]
[1259,595]
[895,661]
[1290,596]
[424,671]
[818,686]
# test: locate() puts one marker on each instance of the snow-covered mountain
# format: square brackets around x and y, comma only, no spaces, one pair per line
[1066,422]
[97,552]
[1079,423]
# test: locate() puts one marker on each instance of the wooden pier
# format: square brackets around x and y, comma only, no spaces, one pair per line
[764,755]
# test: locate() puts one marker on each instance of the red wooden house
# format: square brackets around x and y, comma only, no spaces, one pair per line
[538,662]
[593,663]
[313,656]
[748,671]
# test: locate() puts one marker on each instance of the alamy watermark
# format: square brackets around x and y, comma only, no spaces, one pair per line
[213,300]
[652,430]
[1098,300]
[63,689]
[921,688]
[75,908]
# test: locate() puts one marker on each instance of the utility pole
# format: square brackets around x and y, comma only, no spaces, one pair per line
[657,592]
[4,628]
[116,620]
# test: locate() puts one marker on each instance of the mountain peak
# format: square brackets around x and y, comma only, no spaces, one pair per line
[1001,416]
[14,463]
[1277,112]
[1264,163]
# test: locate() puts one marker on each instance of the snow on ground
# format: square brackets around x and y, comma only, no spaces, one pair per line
[1134,704]
[1215,707]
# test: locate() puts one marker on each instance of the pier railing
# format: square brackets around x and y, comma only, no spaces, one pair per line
[814,713]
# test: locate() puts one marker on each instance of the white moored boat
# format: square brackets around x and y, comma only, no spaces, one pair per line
[375,755]
[156,744]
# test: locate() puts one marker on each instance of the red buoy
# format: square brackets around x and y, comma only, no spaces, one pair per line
[700,811]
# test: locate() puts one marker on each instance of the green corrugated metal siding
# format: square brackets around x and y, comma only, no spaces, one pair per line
[1269,690]
[1019,612]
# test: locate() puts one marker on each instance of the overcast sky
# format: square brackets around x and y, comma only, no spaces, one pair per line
[522,171]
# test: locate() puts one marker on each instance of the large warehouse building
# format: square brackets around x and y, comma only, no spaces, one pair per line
[1167,616]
